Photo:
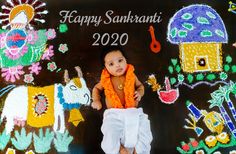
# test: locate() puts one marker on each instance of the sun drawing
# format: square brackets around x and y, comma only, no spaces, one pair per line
[20,13]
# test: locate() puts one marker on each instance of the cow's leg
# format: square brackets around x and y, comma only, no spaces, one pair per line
[57,109]
[62,122]
[9,125]
[59,114]
[55,126]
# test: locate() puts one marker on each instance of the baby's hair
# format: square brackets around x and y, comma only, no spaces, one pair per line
[108,49]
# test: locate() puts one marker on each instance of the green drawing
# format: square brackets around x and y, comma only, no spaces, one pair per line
[233,68]
[174,61]
[21,141]
[226,67]
[172,81]
[4,139]
[62,141]
[42,144]
[190,78]
[171,70]
[211,77]
[200,77]
[63,28]
[178,68]
[223,76]
[228,59]
[180,77]
[208,150]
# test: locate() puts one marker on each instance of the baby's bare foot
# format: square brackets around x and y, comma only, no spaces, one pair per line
[234,44]
[123,150]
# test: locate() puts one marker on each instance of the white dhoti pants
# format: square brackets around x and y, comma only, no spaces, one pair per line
[129,127]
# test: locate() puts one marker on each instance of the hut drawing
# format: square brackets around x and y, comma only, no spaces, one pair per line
[199,31]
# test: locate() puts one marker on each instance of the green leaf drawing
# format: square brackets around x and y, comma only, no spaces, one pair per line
[233,68]
[211,77]
[171,69]
[63,28]
[174,61]
[200,77]
[62,141]
[42,144]
[21,141]
[217,98]
[180,77]
[228,59]
[178,68]
[172,81]
[226,67]
[190,78]
[233,87]
[208,150]
[4,139]
[223,76]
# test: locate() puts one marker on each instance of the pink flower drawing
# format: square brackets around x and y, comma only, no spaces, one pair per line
[51,34]
[63,48]
[2,40]
[16,53]
[19,121]
[32,37]
[52,66]
[28,78]
[12,73]
[35,68]
[48,53]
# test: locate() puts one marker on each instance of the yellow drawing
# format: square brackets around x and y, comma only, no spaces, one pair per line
[30,152]
[199,31]
[232,7]
[213,121]
[75,117]
[41,106]
[11,151]
[19,14]
[199,57]
[211,141]
[223,137]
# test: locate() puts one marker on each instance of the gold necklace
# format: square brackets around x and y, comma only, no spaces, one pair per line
[120,85]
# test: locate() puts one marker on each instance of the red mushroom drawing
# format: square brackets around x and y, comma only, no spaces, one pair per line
[169,96]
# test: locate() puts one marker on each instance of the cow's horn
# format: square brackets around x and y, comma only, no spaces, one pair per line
[80,74]
[66,76]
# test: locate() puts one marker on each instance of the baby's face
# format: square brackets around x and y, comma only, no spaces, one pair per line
[115,63]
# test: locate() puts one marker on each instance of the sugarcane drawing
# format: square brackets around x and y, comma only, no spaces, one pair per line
[218,98]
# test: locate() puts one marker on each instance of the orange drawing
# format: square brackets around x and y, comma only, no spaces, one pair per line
[155,46]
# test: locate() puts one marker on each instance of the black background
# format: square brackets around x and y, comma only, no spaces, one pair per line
[167,121]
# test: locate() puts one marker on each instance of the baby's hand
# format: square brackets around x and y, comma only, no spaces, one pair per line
[137,96]
[96,105]
[234,44]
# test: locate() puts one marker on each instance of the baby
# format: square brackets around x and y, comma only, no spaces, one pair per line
[125,128]
[234,44]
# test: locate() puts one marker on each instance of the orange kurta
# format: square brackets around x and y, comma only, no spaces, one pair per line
[129,88]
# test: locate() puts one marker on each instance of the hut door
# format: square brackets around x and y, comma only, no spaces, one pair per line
[201,63]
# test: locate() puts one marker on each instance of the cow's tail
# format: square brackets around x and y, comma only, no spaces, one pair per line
[6,89]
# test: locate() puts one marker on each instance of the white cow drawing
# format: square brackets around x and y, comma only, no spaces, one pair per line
[16,103]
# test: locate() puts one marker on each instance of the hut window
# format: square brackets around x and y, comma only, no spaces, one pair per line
[202,62]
